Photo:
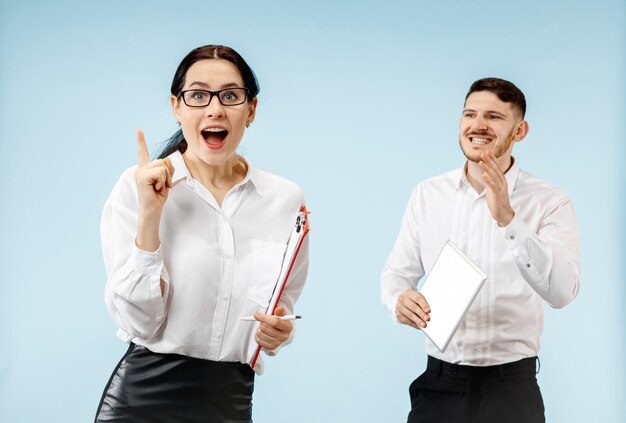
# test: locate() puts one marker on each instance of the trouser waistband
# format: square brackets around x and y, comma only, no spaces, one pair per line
[526,365]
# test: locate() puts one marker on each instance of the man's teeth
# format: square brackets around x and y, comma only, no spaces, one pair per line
[476,140]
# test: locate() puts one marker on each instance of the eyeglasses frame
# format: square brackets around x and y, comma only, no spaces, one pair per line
[215,94]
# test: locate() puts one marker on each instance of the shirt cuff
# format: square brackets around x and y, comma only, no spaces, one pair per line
[515,233]
[394,305]
[148,263]
[151,265]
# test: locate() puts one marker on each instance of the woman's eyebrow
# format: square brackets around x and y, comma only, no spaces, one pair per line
[205,85]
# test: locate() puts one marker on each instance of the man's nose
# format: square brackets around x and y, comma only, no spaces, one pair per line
[479,124]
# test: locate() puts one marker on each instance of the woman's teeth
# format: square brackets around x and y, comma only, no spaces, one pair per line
[214,135]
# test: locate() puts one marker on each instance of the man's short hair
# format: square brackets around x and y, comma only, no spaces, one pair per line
[505,90]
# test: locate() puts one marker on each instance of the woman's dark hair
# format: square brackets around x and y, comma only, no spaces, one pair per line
[505,90]
[177,141]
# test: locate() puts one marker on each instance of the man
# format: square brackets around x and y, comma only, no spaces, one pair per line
[521,232]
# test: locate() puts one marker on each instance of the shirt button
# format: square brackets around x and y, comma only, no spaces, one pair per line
[512,237]
[225,299]
[528,265]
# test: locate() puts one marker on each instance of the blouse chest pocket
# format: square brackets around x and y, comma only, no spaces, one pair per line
[267,258]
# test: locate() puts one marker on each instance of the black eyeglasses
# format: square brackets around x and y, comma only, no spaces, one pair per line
[202,98]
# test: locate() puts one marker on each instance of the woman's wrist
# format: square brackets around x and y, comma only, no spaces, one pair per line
[148,232]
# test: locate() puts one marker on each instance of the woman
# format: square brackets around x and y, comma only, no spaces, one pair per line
[192,242]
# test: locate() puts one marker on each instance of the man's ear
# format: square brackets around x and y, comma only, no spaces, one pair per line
[522,131]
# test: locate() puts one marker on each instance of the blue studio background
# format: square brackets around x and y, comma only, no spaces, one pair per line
[359,101]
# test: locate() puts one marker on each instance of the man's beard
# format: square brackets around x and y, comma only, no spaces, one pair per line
[499,151]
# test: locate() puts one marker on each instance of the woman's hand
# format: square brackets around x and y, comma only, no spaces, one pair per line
[272,332]
[154,180]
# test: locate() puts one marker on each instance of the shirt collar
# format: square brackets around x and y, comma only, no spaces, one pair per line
[253,176]
[181,171]
[180,168]
[462,178]
[511,177]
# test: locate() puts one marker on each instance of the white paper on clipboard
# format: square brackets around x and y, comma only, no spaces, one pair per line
[300,230]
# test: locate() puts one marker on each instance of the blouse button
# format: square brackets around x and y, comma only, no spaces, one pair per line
[512,237]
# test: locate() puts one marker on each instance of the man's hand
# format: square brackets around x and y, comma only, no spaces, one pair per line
[497,193]
[272,332]
[412,309]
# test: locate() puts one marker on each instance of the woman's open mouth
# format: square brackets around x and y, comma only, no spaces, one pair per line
[214,137]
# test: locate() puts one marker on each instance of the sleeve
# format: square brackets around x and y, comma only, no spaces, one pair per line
[548,260]
[404,267]
[133,290]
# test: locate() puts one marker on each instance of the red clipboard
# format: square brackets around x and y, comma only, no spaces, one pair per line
[300,230]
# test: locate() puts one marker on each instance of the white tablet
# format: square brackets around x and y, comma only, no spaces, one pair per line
[450,288]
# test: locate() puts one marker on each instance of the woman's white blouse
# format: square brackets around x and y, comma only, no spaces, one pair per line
[218,264]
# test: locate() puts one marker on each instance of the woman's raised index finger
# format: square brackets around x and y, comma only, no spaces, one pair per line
[142,148]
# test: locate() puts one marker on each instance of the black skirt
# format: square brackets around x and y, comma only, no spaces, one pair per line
[153,388]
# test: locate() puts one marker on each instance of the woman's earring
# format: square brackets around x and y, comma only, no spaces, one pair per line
[178,123]
[247,124]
